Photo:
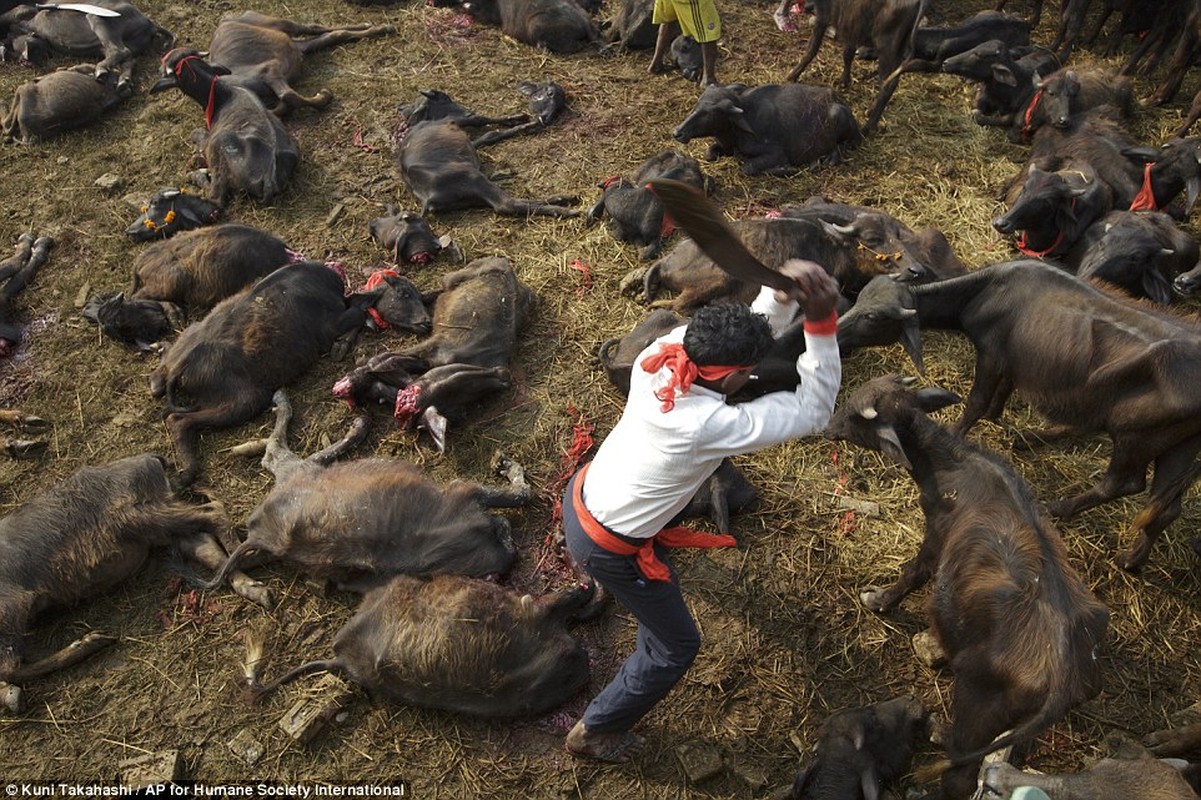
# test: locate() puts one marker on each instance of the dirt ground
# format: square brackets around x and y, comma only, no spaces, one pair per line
[786,640]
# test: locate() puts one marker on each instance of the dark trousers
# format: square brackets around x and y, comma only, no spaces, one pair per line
[668,639]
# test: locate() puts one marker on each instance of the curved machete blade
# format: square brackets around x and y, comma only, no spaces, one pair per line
[703,222]
[83,8]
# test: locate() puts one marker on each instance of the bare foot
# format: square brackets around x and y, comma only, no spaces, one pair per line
[613,748]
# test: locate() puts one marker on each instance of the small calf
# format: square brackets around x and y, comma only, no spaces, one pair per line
[34,31]
[459,644]
[265,51]
[186,275]
[84,536]
[775,128]
[58,102]
[1140,778]
[359,523]
[245,146]
[559,26]
[441,168]
[223,369]
[1021,631]
[635,214]
[862,750]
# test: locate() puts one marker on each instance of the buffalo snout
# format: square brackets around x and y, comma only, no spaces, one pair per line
[1004,225]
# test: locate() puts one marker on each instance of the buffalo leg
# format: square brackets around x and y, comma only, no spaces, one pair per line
[338,36]
[355,434]
[815,42]
[916,572]
[886,90]
[70,655]
[290,27]
[1175,471]
[1184,741]
[1126,474]
[243,404]
[990,389]
[513,496]
[205,549]
[12,265]
[1194,113]
[848,55]
[278,459]
[980,714]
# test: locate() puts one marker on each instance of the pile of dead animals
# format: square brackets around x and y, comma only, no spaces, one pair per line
[1078,323]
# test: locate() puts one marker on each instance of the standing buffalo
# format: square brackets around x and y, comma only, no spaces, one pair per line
[1020,630]
[1087,359]
[775,128]
[887,26]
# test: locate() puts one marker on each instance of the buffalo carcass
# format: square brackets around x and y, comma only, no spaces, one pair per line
[547,100]
[774,128]
[631,27]
[862,750]
[223,369]
[635,214]
[1034,327]
[698,281]
[1021,632]
[26,423]
[57,102]
[934,45]
[187,274]
[1141,252]
[16,273]
[887,26]
[245,146]
[86,535]
[170,211]
[406,236]
[1054,209]
[478,315]
[265,51]
[458,644]
[560,26]
[358,523]
[437,105]
[31,31]
[1131,778]
[441,168]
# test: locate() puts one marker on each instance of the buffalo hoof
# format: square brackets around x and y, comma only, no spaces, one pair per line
[872,599]
[928,650]
[1133,559]
[10,698]
[256,592]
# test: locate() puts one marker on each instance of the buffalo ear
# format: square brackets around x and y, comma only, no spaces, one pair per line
[803,778]
[1004,75]
[911,340]
[890,445]
[1157,286]
[934,399]
[869,782]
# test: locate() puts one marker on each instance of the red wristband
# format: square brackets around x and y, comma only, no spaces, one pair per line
[823,327]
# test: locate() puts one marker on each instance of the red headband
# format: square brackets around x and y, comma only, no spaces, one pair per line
[683,372]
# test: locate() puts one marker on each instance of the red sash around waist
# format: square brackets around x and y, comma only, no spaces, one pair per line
[648,561]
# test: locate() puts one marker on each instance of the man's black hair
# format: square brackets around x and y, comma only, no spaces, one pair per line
[727,334]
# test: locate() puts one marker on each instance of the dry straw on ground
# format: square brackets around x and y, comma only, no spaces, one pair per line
[786,640]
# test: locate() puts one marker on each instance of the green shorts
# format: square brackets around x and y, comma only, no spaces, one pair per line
[698,18]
